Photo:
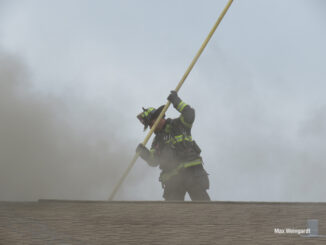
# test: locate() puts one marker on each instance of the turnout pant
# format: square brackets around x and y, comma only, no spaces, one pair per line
[193,180]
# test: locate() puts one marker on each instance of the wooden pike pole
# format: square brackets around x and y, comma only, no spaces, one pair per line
[168,103]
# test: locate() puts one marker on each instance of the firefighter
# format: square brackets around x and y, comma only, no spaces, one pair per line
[175,152]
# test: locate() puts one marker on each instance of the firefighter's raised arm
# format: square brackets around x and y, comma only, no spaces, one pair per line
[187,113]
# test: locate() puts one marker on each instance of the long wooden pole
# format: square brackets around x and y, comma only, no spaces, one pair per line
[192,64]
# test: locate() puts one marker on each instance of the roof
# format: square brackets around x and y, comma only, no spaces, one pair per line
[100,222]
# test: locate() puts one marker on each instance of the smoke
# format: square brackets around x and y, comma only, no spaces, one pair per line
[257,91]
[265,137]
[54,147]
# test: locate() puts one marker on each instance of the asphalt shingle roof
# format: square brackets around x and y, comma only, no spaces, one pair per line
[96,222]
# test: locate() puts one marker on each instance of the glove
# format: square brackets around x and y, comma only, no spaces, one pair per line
[142,151]
[174,98]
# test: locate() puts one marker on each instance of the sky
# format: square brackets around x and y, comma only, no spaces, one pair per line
[74,75]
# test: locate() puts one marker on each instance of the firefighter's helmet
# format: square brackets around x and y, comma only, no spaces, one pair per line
[148,115]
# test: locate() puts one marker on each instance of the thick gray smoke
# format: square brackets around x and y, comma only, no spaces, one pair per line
[258,92]
[269,134]
[52,148]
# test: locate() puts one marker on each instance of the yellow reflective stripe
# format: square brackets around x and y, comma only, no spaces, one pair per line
[184,122]
[188,138]
[146,113]
[179,138]
[193,163]
[165,177]
[171,140]
[178,107]
[181,106]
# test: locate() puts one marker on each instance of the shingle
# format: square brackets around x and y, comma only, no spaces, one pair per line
[92,222]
